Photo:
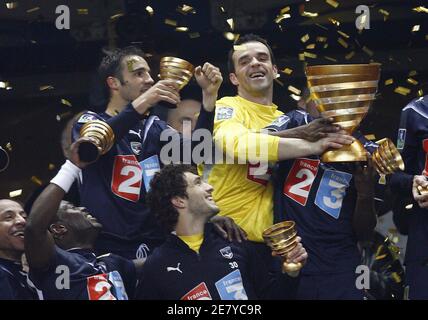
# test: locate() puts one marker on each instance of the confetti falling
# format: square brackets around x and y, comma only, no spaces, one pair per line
[389,82]
[304,38]
[83,11]
[350,55]
[412,81]
[333,3]
[170,22]
[287,71]
[421,9]
[15,193]
[294,90]
[342,43]
[185,9]
[402,90]
[36,180]
[66,102]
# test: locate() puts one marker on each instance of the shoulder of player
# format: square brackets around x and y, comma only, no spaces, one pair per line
[417,106]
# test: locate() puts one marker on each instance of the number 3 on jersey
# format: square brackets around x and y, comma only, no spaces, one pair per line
[331,191]
[126,180]
[300,179]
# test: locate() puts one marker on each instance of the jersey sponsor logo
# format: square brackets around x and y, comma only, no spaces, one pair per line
[86,118]
[331,191]
[200,292]
[231,287]
[300,179]
[106,286]
[224,113]
[226,252]
[136,133]
[262,178]
[142,251]
[136,147]
[150,166]
[425,147]
[401,139]
[169,269]
[126,179]
[280,121]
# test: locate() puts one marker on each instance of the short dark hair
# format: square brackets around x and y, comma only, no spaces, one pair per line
[244,39]
[165,185]
[111,64]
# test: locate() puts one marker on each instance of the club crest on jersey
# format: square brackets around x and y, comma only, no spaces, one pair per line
[224,113]
[136,147]
[401,139]
[86,118]
[226,252]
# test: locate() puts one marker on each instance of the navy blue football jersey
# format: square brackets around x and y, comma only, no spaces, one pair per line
[77,274]
[412,141]
[320,198]
[222,270]
[13,282]
[114,187]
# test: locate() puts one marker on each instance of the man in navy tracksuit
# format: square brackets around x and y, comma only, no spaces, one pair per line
[195,263]
[333,207]
[413,144]
[113,188]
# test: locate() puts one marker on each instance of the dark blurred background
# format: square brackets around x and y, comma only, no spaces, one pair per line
[48,75]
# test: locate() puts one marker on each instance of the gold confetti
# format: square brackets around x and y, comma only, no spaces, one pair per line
[66,102]
[309,14]
[384,13]
[325,46]
[416,28]
[342,42]
[185,9]
[412,81]
[382,179]
[310,55]
[420,92]
[343,34]
[150,10]
[9,146]
[82,11]
[301,56]
[380,257]
[310,46]
[409,206]
[281,17]
[230,23]
[239,47]
[368,51]
[116,16]
[4,84]
[412,73]
[279,82]
[222,9]
[370,136]
[287,71]
[350,55]
[36,180]
[421,9]
[294,90]
[15,193]
[333,3]
[334,21]
[46,87]
[389,82]
[284,10]
[182,29]
[321,39]
[12,5]
[402,90]
[295,96]
[51,166]
[33,9]
[194,35]
[331,59]
[395,276]
[304,38]
[62,116]
[170,22]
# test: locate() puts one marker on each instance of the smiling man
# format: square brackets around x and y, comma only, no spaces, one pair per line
[13,280]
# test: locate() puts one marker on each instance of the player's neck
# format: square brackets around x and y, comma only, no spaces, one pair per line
[12,255]
[264,99]
[190,225]
[116,105]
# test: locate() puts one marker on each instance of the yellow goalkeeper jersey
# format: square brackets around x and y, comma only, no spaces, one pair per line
[242,195]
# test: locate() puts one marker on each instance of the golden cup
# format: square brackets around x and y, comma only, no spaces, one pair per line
[282,238]
[4,159]
[176,69]
[102,139]
[344,93]
[386,158]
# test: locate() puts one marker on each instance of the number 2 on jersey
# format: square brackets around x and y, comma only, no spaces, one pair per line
[126,179]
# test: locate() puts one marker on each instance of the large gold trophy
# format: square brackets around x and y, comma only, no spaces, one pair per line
[102,139]
[178,70]
[386,158]
[344,93]
[282,239]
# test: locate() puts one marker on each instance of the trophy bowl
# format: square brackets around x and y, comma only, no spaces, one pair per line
[176,69]
[282,238]
[344,93]
[102,139]
[4,159]
[386,158]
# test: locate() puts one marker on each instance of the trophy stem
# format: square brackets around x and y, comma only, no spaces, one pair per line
[353,152]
